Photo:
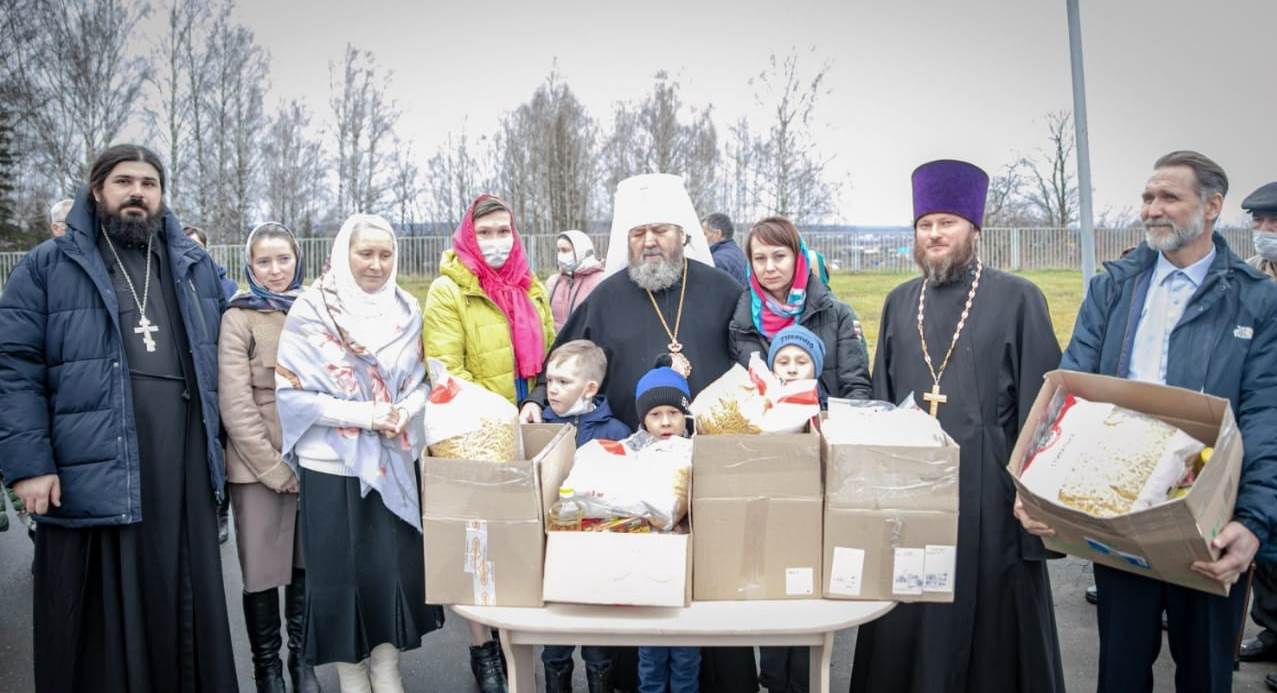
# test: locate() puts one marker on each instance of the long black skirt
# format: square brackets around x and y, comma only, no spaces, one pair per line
[365,573]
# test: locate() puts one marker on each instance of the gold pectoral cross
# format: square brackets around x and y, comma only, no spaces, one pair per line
[935,398]
[145,328]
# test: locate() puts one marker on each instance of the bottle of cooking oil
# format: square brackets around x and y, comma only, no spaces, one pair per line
[566,514]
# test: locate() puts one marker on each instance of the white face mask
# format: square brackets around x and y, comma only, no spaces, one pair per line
[584,405]
[1266,245]
[496,251]
[567,262]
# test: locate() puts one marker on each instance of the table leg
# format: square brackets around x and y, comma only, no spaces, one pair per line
[821,655]
[521,664]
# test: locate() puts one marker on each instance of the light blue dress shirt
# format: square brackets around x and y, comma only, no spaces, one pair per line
[1168,293]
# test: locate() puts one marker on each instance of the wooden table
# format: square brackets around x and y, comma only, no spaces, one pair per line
[811,623]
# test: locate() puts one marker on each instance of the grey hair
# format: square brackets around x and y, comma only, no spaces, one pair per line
[1210,176]
[58,212]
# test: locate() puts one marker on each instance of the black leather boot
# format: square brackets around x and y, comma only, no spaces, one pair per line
[223,519]
[302,674]
[489,670]
[599,679]
[261,616]
[558,679]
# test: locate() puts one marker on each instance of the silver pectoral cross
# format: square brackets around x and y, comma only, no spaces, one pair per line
[145,328]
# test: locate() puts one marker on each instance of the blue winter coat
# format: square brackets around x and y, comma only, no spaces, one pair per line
[731,259]
[1224,345]
[598,424]
[66,402]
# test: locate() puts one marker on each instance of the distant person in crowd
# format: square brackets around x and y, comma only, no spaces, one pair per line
[783,291]
[110,434]
[971,345]
[1262,205]
[1183,310]
[580,270]
[229,287]
[719,233]
[662,296]
[261,484]
[58,217]
[488,321]
[350,387]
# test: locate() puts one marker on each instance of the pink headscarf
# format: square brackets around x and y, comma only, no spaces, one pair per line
[508,288]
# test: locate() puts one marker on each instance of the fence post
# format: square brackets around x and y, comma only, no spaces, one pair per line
[1015,250]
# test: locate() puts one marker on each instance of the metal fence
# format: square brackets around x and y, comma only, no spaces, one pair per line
[1014,249]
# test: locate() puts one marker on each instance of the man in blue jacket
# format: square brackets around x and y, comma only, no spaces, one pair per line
[728,256]
[109,433]
[1183,310]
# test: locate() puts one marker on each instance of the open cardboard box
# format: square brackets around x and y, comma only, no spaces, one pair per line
[891,521]
[483,522]
[1161,542]
[758,502]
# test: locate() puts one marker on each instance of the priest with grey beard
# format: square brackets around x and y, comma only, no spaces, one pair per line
[663,301]
[988,342]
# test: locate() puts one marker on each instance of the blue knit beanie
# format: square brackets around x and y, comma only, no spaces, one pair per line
[662,386]
[803,338]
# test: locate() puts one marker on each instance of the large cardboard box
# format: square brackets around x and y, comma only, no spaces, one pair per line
[618,569]
[483,522]
[1161,542]
[891,521]
[757,501]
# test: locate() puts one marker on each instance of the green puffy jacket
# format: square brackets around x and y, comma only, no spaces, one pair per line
[468,332]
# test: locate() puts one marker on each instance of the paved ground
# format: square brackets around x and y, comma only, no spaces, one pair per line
[442,664]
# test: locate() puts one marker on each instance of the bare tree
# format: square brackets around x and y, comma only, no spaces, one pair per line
[364,118]
[78,81]
[1053,188]
[405,187]
[294,170]
[793,172]
[454,177]
[1005,204]
[171,111]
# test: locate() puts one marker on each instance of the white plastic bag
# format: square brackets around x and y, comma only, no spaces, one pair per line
[467,422]
[755,401]
[641,476]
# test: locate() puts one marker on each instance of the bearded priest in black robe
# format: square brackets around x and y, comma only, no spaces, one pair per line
[988,343]
[663,300]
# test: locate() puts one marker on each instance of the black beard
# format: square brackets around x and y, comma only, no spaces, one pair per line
[129,231]
[949,270]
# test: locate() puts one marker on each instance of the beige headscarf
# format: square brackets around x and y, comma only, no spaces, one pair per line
[653,198]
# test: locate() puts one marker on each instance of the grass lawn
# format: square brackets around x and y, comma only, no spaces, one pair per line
[866,293]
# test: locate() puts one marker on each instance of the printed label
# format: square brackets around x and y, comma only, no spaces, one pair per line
[476,547]
[846,572]
[907,571]
[798,582]
[940,563]
[485,585]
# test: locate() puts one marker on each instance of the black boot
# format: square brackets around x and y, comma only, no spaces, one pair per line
[558,679]
[261,616]
[302,674]
[599,679]
[489,670]
[223,519]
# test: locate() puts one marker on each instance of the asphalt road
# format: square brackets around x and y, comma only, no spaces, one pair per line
[442,663]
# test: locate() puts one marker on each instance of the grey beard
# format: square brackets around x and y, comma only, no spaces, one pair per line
[1178,237]
[131,232]
[656,276]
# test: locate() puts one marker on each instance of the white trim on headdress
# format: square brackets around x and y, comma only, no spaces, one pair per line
[653,198]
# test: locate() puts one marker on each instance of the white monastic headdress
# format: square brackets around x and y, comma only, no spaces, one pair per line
[653,198]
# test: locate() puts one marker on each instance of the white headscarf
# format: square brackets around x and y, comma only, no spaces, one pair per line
[375,318]
[582,249]
[653,198]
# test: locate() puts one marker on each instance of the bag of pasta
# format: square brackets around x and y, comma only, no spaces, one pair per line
[642,476]
[466,422]
[755,401]
[1106,460]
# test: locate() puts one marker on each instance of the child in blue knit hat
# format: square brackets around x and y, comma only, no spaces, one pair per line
[663,399]
[796,353]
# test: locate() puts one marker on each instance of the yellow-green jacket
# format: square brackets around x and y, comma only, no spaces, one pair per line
[468,332]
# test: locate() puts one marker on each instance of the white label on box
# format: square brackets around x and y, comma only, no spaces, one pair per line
[940,563]
[907,571]
[846,573]
[798,582]
[485,585]
[476,545]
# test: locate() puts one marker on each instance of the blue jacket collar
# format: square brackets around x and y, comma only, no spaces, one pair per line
[83,229]
[1144,259]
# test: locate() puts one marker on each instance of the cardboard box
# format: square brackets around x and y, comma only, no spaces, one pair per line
[483,522]
[618,569]
[891,521]
[757,501]
[1163,541]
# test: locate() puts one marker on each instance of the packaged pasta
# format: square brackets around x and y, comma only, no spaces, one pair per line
[640,478]
[1106,460]
[467,422]
[755,401]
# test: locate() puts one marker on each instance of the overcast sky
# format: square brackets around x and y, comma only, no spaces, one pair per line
[911,81]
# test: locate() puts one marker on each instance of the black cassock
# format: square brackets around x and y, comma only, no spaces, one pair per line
[619,317]
[141,607]
[999,633]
